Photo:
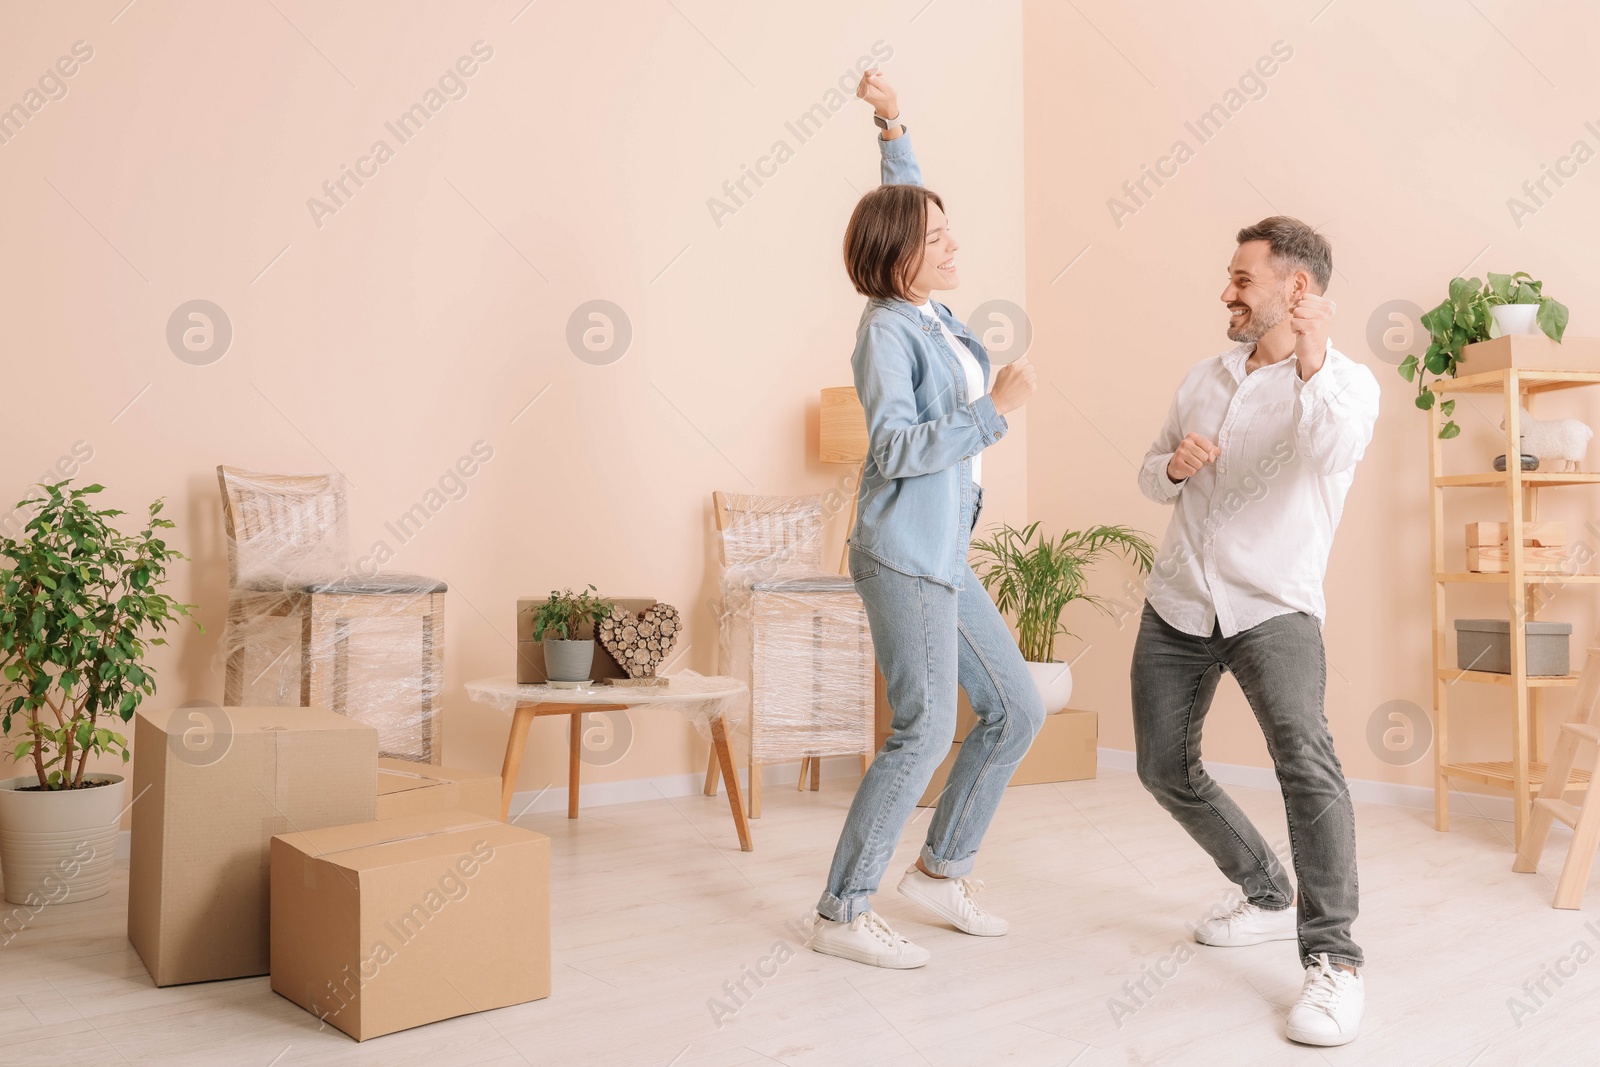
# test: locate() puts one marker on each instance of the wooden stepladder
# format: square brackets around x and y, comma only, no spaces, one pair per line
[1583,727]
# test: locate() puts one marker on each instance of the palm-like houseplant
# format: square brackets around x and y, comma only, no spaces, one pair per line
[1035,578]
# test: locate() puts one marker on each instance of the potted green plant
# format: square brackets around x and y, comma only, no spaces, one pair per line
[1035,581]
[78,599]
[1478,311]
[557,625]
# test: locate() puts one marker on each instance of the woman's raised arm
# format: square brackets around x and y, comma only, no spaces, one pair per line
[900,165]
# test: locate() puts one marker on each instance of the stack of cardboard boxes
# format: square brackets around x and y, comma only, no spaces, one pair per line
[380,895]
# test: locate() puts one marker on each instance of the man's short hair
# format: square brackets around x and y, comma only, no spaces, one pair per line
[1295,246]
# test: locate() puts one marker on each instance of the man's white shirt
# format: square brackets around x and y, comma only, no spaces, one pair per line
[1250,536]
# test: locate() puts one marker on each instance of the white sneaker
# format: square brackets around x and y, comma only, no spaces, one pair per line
[1329,1009]
[1248,924]
[954,899]
[867,939]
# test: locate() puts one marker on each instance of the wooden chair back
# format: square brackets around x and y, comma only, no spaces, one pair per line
[283,525]
[785,530]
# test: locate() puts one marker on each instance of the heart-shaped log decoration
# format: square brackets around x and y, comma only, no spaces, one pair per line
[639,642]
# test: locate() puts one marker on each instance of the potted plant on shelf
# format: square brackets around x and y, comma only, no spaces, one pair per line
[557,623]
[1477,311]
[77,599]
[1036,580]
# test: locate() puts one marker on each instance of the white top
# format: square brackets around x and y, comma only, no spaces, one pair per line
[1250,533]
[969,364]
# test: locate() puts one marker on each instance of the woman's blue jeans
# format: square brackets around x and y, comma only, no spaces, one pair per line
[929,639]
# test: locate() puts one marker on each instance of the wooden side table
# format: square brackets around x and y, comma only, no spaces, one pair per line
[528,702]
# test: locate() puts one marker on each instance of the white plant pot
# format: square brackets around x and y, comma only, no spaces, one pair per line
[57,847]
[1054,682]
[1515,318]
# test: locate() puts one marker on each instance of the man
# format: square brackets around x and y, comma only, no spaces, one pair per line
[1257,454]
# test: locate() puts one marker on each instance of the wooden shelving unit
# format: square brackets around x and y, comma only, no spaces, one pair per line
[1523,773]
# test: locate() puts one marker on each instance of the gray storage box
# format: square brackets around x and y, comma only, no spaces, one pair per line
[1485,645]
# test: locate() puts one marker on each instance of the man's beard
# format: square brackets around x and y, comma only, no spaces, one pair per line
[1261,320]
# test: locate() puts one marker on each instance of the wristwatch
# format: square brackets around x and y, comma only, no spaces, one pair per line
[883,123]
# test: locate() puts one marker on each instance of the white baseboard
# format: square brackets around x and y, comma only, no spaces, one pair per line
[599,794]
[633,790]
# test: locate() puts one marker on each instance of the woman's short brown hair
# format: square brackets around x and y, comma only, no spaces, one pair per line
[883,243]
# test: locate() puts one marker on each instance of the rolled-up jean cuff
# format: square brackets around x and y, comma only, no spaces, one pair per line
[842,910]
[1346,960]
[946,868]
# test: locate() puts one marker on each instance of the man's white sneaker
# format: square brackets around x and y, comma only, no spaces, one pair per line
[953,899]
[1247,924]
[1329,1009]
[867,939]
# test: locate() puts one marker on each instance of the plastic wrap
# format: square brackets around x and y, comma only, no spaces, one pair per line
[307,625]
[699,698]
[794,632]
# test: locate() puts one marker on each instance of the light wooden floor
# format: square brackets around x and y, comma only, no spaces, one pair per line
[655,910]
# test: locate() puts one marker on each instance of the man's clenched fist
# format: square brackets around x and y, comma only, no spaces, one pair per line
[1193,452]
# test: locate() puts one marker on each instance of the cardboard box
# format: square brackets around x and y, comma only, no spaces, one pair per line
[211,787]
[530,653]
[1532,351]
[1496,559]
[1490,534]
[383,926]
[407,788]
[1065,751]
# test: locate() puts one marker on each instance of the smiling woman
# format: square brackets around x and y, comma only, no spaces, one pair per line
[923,382]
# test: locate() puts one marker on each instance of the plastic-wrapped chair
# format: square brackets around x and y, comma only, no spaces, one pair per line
[303,629]
[795,633]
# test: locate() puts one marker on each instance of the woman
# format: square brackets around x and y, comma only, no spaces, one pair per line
[931,410]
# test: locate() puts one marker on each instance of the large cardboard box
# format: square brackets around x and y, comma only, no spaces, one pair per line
[530,653]
[387,925]
[211,786]
[407,788]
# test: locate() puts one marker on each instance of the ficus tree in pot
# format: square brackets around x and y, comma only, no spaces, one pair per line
[80,606]
[1035,580]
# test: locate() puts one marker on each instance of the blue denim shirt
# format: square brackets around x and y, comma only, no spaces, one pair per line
[916,498]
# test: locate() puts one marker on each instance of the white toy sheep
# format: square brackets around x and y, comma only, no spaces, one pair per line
[1563,439]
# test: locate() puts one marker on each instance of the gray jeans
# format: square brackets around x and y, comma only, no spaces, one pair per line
[928,639]
[1281,668]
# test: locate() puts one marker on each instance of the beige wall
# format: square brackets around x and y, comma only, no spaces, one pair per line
[424,315]
[1401,130]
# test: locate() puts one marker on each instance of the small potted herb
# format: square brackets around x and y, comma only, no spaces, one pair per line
[557,625]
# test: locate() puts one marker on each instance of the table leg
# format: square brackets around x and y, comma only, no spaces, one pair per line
[573,763]
[515,742]
[730,778]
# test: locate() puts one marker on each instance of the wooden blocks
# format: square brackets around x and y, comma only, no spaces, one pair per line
[1489,551]
[1544,534]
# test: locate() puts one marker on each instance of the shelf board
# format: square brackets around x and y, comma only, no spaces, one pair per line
[1535,681]
[1530,578]
[1531,479]
[1533,381]
[1497,773]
